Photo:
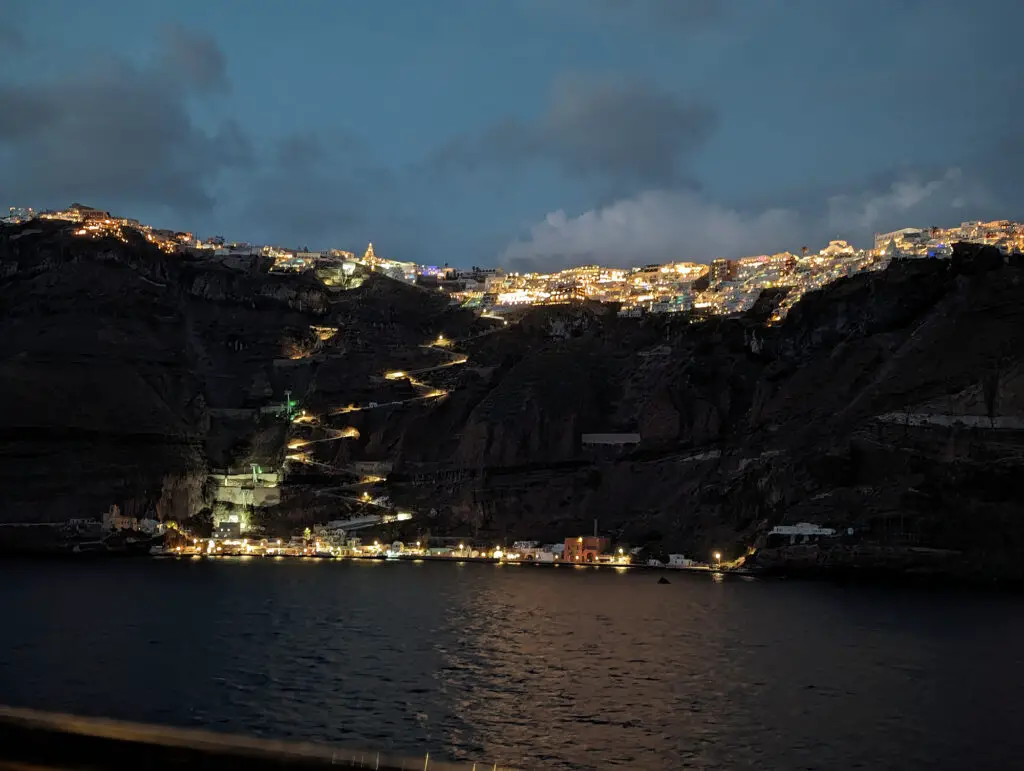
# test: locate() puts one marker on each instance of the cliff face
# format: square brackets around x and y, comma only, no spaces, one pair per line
[119,366]
[891,404]
[888,403]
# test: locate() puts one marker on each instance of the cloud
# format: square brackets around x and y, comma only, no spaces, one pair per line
[127,137]
[11,38]
[868,211]
[300,151]
[196,58]
[321,188]
[619,133]
[116,134]
[659,226]
[301,195]
[685,14]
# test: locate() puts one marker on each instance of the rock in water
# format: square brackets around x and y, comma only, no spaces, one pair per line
[663,580]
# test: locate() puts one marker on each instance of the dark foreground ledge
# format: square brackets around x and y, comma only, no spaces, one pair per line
[51,742]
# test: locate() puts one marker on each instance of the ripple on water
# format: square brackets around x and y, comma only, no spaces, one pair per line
[535,668]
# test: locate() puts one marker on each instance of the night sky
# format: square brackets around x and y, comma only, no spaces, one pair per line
[532,133]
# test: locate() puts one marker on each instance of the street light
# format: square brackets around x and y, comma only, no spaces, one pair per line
[718,558]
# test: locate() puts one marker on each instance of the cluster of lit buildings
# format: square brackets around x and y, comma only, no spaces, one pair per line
[87,222]
[721,288]
[495,290]
[587,550]
[321,541]
[724,287]
[1005,235]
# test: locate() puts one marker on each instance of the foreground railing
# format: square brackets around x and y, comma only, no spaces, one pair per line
[42,740]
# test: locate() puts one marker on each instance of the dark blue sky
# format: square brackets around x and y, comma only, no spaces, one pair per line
[525,132]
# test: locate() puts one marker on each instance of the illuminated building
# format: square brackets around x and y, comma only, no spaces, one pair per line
[902,238]
[19,214]
[722,270]
[585,548]
[838,249]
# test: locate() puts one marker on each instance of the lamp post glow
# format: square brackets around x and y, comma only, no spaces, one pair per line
[718,559]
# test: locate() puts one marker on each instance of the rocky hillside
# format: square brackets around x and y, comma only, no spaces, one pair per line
[888,404]
[137,378]
[128,373]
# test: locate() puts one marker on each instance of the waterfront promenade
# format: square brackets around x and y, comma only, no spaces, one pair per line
[620,567]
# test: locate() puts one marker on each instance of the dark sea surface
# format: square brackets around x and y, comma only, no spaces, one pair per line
[534,667]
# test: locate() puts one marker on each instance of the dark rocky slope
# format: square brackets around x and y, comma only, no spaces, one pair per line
[132,377]
[890,403]
[127,373]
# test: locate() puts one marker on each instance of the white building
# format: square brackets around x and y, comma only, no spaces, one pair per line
[227,528]
[903,238]
[331,534]
[113,520]
[838,249]
[802,532]
[151,526]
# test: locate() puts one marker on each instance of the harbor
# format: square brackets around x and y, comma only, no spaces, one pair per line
[701,568]
[580,552]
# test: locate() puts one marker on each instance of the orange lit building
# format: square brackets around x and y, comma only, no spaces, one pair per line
[585,548]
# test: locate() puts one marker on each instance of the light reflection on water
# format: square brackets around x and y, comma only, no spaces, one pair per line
[534,667]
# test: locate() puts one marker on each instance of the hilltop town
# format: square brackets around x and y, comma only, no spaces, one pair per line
[240,395]
[723,287]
